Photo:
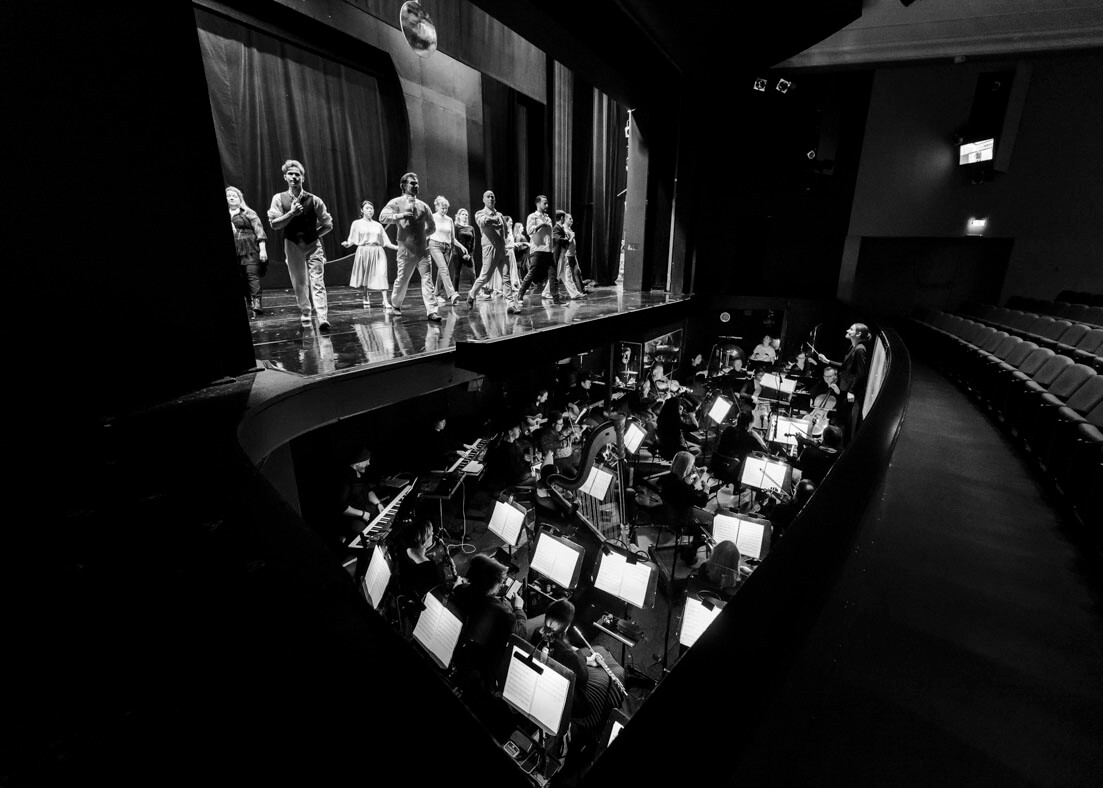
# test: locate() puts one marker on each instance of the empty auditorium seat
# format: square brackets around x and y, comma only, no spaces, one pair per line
[1055,394]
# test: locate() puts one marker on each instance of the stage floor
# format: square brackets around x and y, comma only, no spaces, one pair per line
[361,337]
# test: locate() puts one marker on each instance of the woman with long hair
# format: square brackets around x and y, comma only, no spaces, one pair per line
[252,256]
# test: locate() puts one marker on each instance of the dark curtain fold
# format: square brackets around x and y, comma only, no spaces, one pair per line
[603,225]
[272,100]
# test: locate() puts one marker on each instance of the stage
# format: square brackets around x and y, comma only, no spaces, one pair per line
[361,338]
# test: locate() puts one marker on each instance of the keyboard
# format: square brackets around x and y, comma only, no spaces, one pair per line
[382,523]
[472,459]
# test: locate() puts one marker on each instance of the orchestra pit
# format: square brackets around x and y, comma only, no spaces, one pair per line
[582,395]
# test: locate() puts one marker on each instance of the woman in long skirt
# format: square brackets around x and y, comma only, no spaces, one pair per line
[369,269]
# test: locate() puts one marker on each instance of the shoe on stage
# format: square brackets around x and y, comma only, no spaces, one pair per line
[433,317]
[323,324]
[304,318]
[513,309]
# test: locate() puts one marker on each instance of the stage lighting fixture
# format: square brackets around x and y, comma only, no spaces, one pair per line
[633,436]
[783,85]
[811,154]
[719,410]
[760,85]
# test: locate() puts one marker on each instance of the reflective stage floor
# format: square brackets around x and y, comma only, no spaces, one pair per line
[360,337]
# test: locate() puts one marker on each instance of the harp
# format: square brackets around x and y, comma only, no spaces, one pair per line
[603,516]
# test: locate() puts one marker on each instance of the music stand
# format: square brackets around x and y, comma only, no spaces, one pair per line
[622,574]
[537,686]
[785,429]
[613,726]
[438,629]
[378,576]
[558,559]
[750,535]
[507,521]
[701,609]
[764,472]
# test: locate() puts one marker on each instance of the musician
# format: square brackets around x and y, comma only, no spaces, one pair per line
[489,620]
[536,414]
[437,449]
[626,373]
[783,513]
[740,439]
[684,491]
[674,421]
[359,493]
[304,219]
[581,395]
[853,371]
[816,459]
[802,365]
[507,464]
[556,441]
[418,572]
[595,693]
[721,572]
[765,351]
[828,385]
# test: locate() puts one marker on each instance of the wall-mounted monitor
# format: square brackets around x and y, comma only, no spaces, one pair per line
[976,152]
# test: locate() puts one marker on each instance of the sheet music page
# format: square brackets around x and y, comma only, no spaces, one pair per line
[719,410]
[506,522]
[447,635]
[725,528]
[549,698]
[633,586]
[610,573]
[597,483]
[377,576]
[426,627]
[554,560]
[773,475]
[695,620]
[520,683]
[753,470]
[751,536]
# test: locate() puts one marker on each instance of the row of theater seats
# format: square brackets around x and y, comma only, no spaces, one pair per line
[1086,311]
[1082,342]
[1048,402]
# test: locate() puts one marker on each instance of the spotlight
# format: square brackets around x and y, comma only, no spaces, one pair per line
[811,154]
[783,85]
[760,85]
[976,226]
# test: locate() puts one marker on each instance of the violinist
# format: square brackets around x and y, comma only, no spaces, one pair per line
[816,459]
[740,439]
[784,512]
[685,491]
[418,572]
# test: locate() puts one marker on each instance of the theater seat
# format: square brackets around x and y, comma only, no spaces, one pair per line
[1055,427]
[1056,395]
[1033,386]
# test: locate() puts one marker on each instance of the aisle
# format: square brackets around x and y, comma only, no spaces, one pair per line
[964,641]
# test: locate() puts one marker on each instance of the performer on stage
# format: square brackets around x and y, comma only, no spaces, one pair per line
[415,224]
[562,240]
[304,220]
[520,252]
[465,234]
[541,260]
[442,245]
[252,255]
[493,227]
[369,268]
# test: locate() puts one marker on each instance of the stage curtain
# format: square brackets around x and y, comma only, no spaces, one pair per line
[602,225]
[273,100]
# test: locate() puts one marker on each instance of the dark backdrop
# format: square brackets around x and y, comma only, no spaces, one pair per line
[340,114]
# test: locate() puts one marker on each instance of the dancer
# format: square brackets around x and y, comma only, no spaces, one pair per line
[442,244]
[415,225]
[541,261]
[369,269]
[465,234]
[572,257]
[304,220]
[563,240]
[252,255]
[493,228]
[520,252]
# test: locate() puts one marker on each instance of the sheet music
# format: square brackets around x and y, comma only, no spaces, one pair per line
[540,695]
[506,522]
[597,483]
[554,560]
[377,577]
[438,630]
[623,580]
[763,474]
[725,528]
[695,620]
[719,410]
[752,535]
[786,428]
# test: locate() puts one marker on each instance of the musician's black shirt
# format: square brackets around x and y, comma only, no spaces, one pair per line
[355,489]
